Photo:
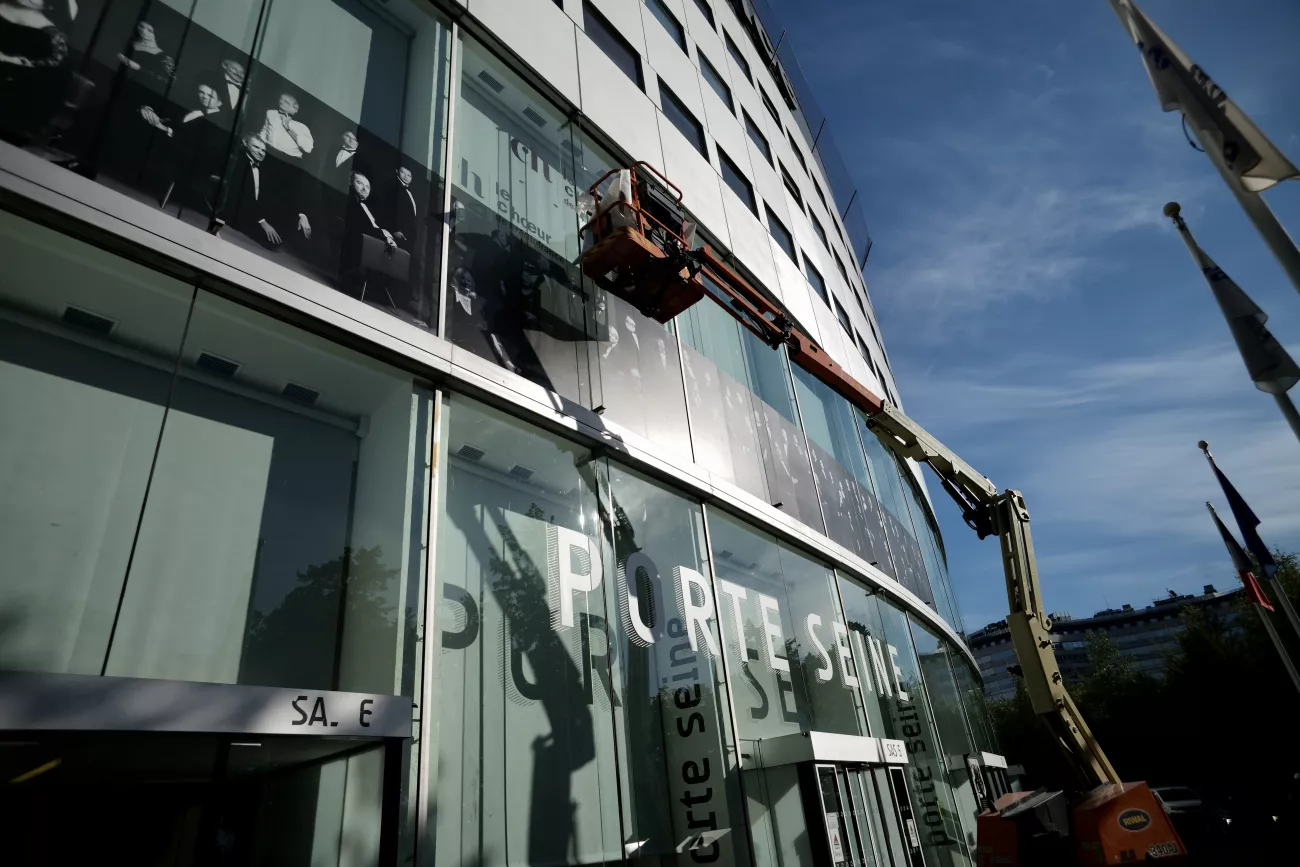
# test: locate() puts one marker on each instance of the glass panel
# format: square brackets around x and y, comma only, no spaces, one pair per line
[887,822]
[281,543]
[736,181]
[88,347]
[782,235]
[743,421]
[312,130]
[734,51]
[777,819]
[526,768]
[856,817]
[844,486]
[715,81]
[837,833]
[976,706]
[610,41]
[678,762]
[906,714]
[638,383]
[681,117]
[950,719]
[757,137]
[928,547]
[669,21]
[515,297]
[793,668]
[905,553]
[815,278]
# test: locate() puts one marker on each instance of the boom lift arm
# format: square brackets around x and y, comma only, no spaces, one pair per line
[639,249]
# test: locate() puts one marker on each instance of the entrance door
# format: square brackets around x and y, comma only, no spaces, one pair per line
[182,800]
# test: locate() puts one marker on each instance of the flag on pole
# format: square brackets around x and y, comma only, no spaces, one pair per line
[1268,363]
[1248,153]
[1247,521]
[1241,562]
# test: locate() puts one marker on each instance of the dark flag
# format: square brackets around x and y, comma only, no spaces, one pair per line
[1247,521]
[1241,562]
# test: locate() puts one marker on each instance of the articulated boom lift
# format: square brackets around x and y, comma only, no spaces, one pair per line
[638,246]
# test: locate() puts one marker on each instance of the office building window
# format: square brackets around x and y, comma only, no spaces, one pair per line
[523,687]
[515,296]
[842,315]
[707,11]
[790,185]
[317,144]
[839,265]
[669,21]
[744,419]
[246,507]
[863,348]
[757,137]
[840,467]
[738,183]
[815,278]
[782,235]
[734,50]
[716,81]
[769,105]
[821,233]
[682,118]
[818,190]
[610,41]
[798,154]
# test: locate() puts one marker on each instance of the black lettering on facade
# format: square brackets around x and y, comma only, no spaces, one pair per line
[318,712]
[302,714]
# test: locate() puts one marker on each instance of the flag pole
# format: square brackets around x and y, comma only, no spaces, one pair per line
[1278,590]
[1266,223]
[1287,406]
[1254,594]
[1270,366]
[1277,643]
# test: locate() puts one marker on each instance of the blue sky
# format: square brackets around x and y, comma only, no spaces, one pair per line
[1042,317]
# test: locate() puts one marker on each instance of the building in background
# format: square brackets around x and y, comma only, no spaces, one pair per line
[1145,636]
[345,522]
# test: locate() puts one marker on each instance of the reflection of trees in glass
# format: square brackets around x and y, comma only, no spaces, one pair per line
[298,642]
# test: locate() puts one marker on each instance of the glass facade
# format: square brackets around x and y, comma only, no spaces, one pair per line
[307,131]
[195,491]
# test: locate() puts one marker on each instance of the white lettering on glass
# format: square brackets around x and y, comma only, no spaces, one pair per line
[574,568]
[767,607]
[827,671]
[699,614]
[850,681]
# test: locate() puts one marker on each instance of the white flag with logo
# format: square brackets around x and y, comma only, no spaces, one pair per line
[1246,150]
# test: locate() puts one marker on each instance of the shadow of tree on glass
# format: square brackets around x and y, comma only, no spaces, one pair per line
[302,641]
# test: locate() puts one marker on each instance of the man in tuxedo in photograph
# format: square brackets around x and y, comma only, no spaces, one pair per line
[232,86]
[406,206]
[255,203]
[371,264]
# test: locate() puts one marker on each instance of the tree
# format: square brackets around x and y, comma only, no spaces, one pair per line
[1223,689]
